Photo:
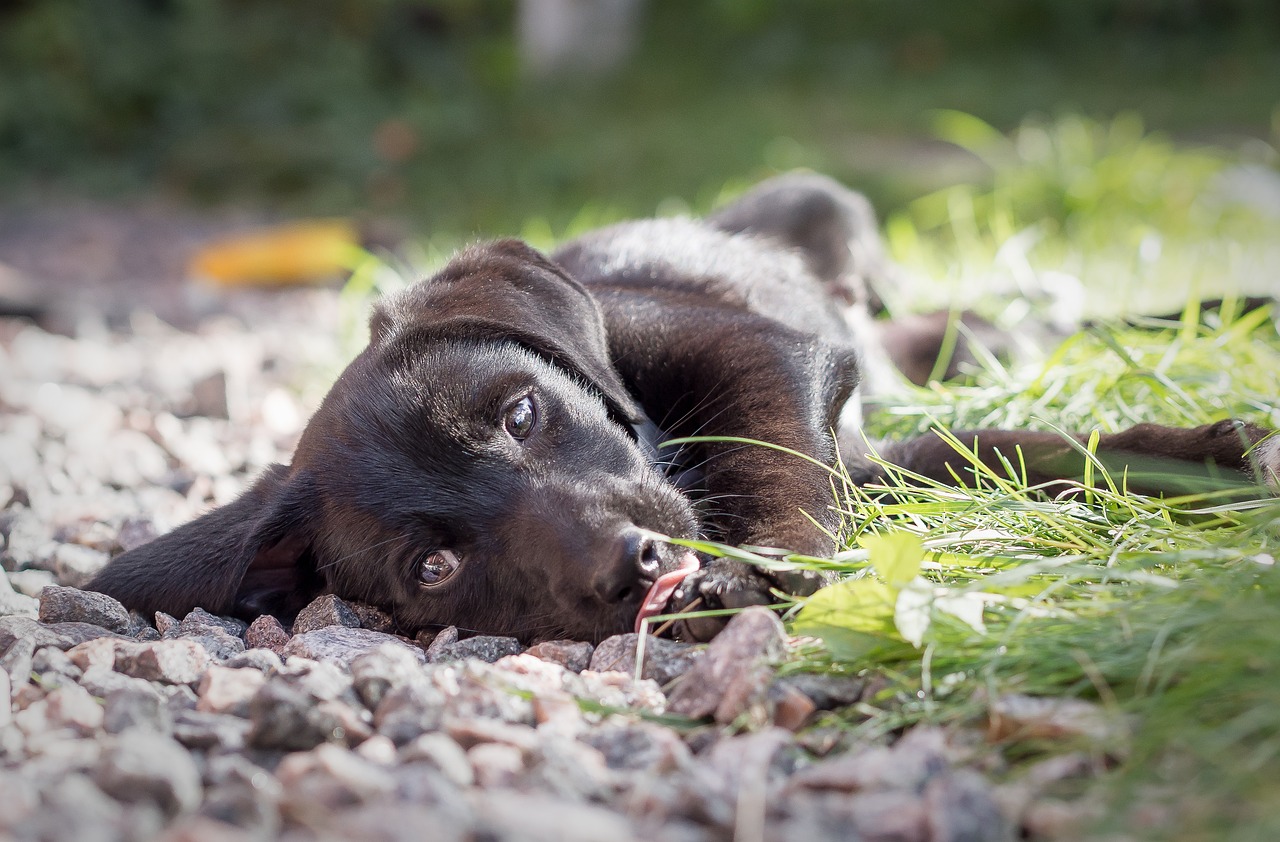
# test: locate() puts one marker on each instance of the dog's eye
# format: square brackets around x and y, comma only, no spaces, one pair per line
[437,566]
[520,419]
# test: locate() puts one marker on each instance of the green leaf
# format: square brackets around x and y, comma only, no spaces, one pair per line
[896,556]
[860,604]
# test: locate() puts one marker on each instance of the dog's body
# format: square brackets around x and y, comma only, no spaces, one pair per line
[492,460]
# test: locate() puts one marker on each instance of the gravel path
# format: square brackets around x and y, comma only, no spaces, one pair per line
[202,728]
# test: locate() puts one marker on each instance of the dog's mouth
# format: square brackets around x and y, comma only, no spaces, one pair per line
[659,593]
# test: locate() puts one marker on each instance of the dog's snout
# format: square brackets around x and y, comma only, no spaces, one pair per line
[629,569]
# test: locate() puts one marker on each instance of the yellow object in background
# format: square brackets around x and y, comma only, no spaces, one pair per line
[295,253]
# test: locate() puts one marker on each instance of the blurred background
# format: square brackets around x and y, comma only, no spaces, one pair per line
[136,131]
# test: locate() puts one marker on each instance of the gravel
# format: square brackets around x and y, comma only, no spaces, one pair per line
[122,727]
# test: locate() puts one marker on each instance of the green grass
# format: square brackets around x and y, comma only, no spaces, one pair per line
[1161,610]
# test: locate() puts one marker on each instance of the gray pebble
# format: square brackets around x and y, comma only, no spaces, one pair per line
[374,673]
[75,565]
[266,632]
[373,618]
[441,752]
[263,660]
[736,669]
[141,765]
[664,660]
[488,648]
[198,730]
[169,661]
[573,655]
[13,603]
[200,622]
[16,662]
[136,707]
[52,660]
[325,610]
[438,641]
[30,582]
[410,710]
[25,628]
[287,717]
[341,644]
[64,605]
[219,644]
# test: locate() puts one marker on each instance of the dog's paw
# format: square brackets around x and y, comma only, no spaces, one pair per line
[720,584]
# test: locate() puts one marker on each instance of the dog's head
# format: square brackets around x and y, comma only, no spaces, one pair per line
[474,466]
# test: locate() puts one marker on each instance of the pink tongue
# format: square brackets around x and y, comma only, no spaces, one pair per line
[655,601]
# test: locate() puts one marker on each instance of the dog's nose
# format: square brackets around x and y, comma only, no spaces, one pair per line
[629,569]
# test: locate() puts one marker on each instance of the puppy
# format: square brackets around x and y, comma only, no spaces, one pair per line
[494,458]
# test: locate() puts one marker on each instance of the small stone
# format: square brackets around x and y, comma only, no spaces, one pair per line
[266,632]
[72,707]
[373,618]
[75,566]
[1018,716]
[408,710]
[135,707]
[76,632]
[102,681]
[556,710]
[535,817]
[488,648]
[95,653]
[140,766]
[220,645]
[473,732]
[285,716]
[49,660]
[200,622]
[200,731]
[225,690]
[6,705]
[13,604]
[167,625]
[136,531]
[30,582]
[177,661]
[378,749]
[496,764]
[332,777]
[443,753]
[262,660]
[734,672]
[639,747]
[791,708]
[573,655]
[442,638]
[16,664]
[827,692]
[908,764]
[342,644]
[664,660]
[24,628]
[374,673]
[959,806]
[324,611]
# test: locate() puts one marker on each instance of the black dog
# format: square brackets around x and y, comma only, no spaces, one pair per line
[492,459]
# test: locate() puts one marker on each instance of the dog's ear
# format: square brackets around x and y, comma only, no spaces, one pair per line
[507,290]
[249,557]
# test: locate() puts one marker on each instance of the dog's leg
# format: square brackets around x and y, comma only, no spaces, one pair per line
[1147,458]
